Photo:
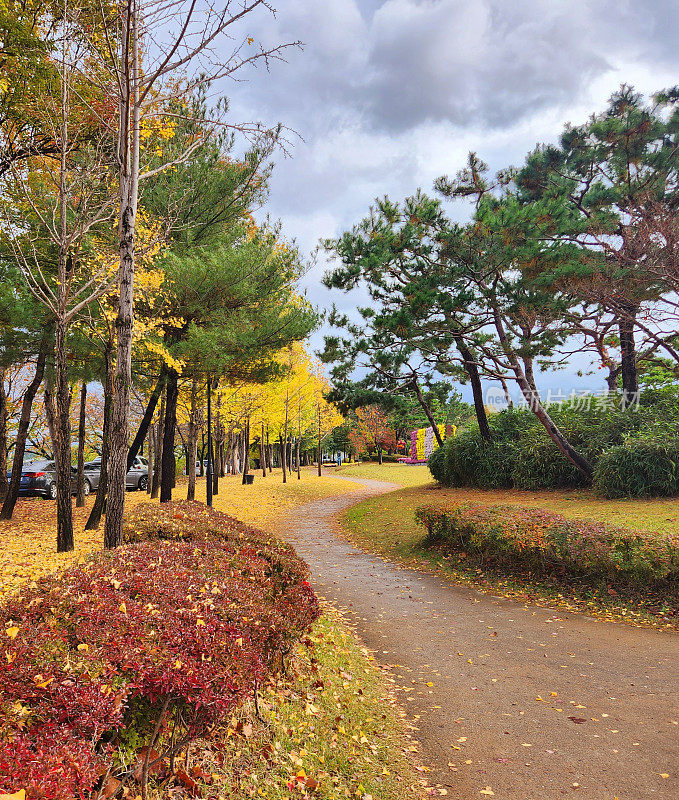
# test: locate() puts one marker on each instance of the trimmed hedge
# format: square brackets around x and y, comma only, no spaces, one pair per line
[110,669]
[636,444]
[547,543]
[639,468]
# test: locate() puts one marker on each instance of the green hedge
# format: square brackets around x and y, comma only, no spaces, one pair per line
[548,543]
[638,468]
[633,451]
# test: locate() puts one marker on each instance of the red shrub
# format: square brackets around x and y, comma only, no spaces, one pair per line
[185,621]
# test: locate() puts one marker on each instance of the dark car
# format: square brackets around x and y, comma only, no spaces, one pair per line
[137,476]
[39,479]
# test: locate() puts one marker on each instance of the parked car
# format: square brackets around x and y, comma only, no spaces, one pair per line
[137,476]
[39,479]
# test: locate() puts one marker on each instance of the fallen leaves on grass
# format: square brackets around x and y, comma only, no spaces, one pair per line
[352,744]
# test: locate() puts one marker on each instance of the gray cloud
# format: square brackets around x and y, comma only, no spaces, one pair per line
[388,94]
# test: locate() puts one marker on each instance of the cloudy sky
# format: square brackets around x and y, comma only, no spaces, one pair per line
[386,95]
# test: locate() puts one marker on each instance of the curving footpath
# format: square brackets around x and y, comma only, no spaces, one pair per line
[509,701]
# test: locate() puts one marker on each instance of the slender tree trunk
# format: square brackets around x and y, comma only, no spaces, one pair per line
[169,466]
[628,356]
[505,389]
[283,464]
[234,453]
[218,436]
[158,472]
[193,442]
[3,437]
[80,496]
[128,158]
[427,411]
[528,372]
[94,519]
[62,447]
[149,411]
[246,448]
[262,453]
[22,431]
[152,447]
[472,370]
[533,399]
[216,456]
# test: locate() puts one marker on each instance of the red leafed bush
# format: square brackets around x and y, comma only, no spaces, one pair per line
[544,541]
[154,642]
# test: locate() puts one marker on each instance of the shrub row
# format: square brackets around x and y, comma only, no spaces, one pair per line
[108,670]
[549,543]
[635,452]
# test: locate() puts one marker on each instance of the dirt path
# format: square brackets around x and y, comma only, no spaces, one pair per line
[510,701]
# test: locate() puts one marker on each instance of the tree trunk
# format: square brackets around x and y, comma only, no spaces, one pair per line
[128,159]
[505,389]
[149,411]
[152,447]
[80,496]
[628,360]
[533,399]
[219,452]
[22,431]
[297,459]
[246,448]
[283,464]
[158,472]
[169,466]
[472,370]
[193,442]
[427,411]
[262,453]
[94,519]
[3,437]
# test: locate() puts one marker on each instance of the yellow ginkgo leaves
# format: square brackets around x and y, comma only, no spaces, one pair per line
[20,795]
[12,632]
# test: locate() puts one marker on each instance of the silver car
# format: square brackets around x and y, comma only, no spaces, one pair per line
[137,477]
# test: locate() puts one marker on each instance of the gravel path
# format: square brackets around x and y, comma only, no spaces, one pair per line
[510,701]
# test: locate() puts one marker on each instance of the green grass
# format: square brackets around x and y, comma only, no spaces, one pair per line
[401,474]
[386,525]
[330,730]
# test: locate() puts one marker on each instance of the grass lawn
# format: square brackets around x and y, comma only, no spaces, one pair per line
[386,525]
[401,474]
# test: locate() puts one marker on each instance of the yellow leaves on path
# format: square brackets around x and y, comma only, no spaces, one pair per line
[268,499]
